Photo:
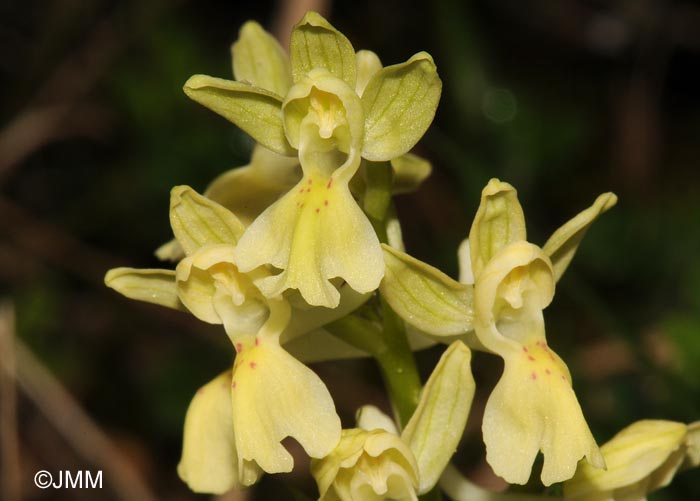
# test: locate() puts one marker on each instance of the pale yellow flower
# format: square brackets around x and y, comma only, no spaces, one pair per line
[640,459]
[340,108]
[269,395]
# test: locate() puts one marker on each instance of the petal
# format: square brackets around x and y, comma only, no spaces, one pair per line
[209,461]
[247,191]
[307,319]
[370,418]
[258,59]
[170,251]
[464,258]
[693,443]
[424,296]
[256,111]
[509,296]
[409,172]
[436,427]
[533,408]
[315,233]
[563,243]
[345,455]
[317,44]
[367,64]
[198,221]
[399,104]
[150,285]
[460,488]
[498,222]
[215,291]
[275,396]
[324,120]
[639,451]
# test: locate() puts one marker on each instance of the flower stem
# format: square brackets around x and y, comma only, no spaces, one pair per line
[398,366]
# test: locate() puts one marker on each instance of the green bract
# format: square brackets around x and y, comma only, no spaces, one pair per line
[425,297]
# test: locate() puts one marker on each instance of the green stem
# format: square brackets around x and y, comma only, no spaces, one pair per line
[398,367]
[359,333]
[377,196]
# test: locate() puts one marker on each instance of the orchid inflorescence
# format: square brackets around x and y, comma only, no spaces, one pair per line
[291,252]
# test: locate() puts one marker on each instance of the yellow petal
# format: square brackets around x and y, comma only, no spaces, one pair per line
[315,233]
[198,221]
[275,396]
[563,243]
[647,453]
[215,291]
[399,104]
[409,172]
[256,111]
[150,285]
[498,222]
[258,59]
[369,417]
[464,259]
[324,120]
[247,191]
[533,408]
[693,444]
[509,296]
[368,466]
[367,64]
[317,44]
[209,461]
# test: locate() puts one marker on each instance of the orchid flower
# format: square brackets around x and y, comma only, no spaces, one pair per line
[375,461]
[507,284]
[340,109]
[271,394]
[640,459]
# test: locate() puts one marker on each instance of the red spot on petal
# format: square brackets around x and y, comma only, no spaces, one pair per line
[330,183]
[551,357]
[257,341]
[530,357]
[200,391]
[548,371]
[310,181]
[233,385]
[308,190]
[301,190]
[325,202]
[317,210]
[533,376]
[562,377]
[525,349]
[239,347]
[252,365]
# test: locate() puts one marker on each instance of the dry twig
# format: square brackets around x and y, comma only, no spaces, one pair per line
[10,474]
[86,437]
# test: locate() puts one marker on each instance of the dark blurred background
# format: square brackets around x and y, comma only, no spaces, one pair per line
[563,99]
